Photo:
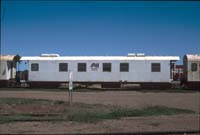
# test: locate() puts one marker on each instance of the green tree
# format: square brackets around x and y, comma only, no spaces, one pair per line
[16,61]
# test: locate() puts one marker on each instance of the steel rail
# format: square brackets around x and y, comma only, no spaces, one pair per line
[185,132]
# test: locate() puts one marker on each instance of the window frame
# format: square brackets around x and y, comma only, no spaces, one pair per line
[80,69]
[154,66]
[105,69]
[125,68]
[37,69]
[194,67]
[61,69]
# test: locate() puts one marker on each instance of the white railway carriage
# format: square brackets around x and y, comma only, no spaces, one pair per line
[50,70]
[191,65]
[7,69]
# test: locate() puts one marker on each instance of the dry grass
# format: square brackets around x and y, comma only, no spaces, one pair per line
[20,109]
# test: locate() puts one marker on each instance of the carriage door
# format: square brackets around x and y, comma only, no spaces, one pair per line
[172,69]
[199,72]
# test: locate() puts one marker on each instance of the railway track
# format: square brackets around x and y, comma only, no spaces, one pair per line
[193,132]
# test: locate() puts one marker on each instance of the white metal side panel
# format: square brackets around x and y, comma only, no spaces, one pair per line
[5,74]
[139,71]
[48,71]
[164,75]
[193,76]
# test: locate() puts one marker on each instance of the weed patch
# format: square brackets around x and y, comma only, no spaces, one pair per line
[61,111]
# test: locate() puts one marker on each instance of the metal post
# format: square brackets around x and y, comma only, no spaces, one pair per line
[70,86]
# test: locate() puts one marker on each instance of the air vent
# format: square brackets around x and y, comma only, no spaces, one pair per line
[131,54]
[50,55]
[140,54]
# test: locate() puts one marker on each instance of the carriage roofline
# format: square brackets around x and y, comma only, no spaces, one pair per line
[74,58]
[7,57]
[192,57]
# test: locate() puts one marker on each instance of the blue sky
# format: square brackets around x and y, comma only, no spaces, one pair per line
[100,28]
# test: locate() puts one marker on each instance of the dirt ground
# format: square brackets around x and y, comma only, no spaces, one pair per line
[122,98]
[134,124]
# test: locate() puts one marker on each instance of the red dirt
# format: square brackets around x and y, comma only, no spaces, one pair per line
[134,124]
[121,98]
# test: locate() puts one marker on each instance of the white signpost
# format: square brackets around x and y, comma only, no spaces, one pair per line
[70,86]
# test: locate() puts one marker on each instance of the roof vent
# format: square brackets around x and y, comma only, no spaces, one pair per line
[140,54]
[131,54]
[50,55]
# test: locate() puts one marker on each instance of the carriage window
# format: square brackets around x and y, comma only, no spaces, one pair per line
[106,67]
[34,67]
[155,67]
[194,67]
[81,67]
[63,67]
[124,67]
